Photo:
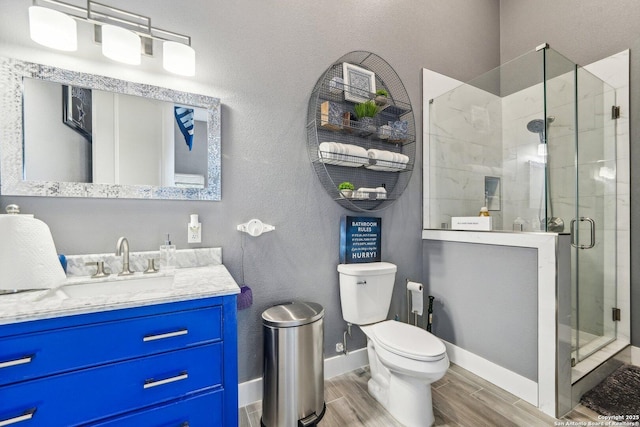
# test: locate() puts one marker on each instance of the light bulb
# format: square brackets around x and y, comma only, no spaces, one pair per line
[121,44]
[53,29]
[179,58]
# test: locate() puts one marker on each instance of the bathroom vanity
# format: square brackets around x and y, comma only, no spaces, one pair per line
[152,357]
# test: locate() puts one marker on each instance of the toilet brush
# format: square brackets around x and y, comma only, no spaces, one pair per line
[430,313]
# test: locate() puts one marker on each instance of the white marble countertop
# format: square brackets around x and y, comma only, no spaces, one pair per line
[188,283]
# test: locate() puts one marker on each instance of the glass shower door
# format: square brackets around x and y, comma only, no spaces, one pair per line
[594,224]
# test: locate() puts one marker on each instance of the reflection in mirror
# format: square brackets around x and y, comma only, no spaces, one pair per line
[82,135]
[138,141]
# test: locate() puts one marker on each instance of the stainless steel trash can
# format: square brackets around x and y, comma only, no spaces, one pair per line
[293,376]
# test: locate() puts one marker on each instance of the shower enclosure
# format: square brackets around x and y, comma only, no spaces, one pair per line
[535,141]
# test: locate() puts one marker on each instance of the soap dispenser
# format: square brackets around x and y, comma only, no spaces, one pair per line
[484,211]
[167,255]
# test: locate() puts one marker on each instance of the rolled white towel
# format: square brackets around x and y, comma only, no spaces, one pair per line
[339,153]
[345,155]
[403,158]
[382,168]
[369,193]
[327,147]
[366,192]
[358,155]
[328,153]
[380,155]
[327,158]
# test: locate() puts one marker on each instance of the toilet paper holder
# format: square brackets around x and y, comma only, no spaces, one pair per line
[414,305]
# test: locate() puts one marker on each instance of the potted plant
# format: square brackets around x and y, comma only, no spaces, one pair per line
[346,189]
[382,96]
[365,112]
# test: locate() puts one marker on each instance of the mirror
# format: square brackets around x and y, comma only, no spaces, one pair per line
[71,134]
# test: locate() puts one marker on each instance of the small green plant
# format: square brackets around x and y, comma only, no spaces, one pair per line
[382,92]
[366,109]
[346,186]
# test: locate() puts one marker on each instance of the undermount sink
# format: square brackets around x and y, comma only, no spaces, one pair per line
[121,286]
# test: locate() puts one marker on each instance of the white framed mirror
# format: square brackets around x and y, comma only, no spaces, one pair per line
[70,134]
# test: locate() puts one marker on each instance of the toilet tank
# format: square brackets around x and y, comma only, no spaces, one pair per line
[365,291]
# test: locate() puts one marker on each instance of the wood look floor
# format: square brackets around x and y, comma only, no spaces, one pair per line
[460,398]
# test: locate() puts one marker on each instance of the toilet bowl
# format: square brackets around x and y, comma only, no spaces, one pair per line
[404,360]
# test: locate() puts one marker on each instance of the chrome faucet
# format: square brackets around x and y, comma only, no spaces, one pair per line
[122,248]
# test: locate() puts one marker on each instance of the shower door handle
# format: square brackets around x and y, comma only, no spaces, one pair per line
[592,226]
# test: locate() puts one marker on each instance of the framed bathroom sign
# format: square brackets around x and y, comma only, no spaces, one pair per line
[360,239]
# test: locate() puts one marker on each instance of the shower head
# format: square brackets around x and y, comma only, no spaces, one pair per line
[537,126]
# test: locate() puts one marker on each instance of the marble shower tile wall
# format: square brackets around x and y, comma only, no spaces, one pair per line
[523,167]
[464,148]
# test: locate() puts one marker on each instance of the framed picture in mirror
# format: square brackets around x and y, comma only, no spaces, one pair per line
[76,109]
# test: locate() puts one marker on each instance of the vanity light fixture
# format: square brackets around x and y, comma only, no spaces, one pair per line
[121,44]
[53,29]
[179,58]
[124,35]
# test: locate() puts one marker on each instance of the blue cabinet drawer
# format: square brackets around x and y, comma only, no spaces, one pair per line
[200,411]
[34,355]
[92,394]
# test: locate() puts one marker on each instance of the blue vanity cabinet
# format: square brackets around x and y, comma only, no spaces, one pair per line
[145,366]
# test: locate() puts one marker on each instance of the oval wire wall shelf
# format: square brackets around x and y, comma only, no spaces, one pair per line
[378,157]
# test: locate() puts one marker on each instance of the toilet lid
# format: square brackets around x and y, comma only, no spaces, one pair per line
[408,341]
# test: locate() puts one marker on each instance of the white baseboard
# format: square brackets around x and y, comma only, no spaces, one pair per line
[518,385]
[635,355]
[251,391]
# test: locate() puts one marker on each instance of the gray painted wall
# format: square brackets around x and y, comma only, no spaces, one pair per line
[478,287]
[586,31]
[262,59]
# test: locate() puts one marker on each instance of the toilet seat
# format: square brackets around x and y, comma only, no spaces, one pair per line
[407,341]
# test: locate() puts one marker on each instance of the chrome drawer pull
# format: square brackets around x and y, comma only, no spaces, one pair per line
[26,416]
[151,383]
[167,335]
[21,361]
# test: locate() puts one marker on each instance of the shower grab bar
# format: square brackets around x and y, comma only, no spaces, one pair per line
[592,226]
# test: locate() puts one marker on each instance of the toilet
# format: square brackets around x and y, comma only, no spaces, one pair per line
[404,360]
